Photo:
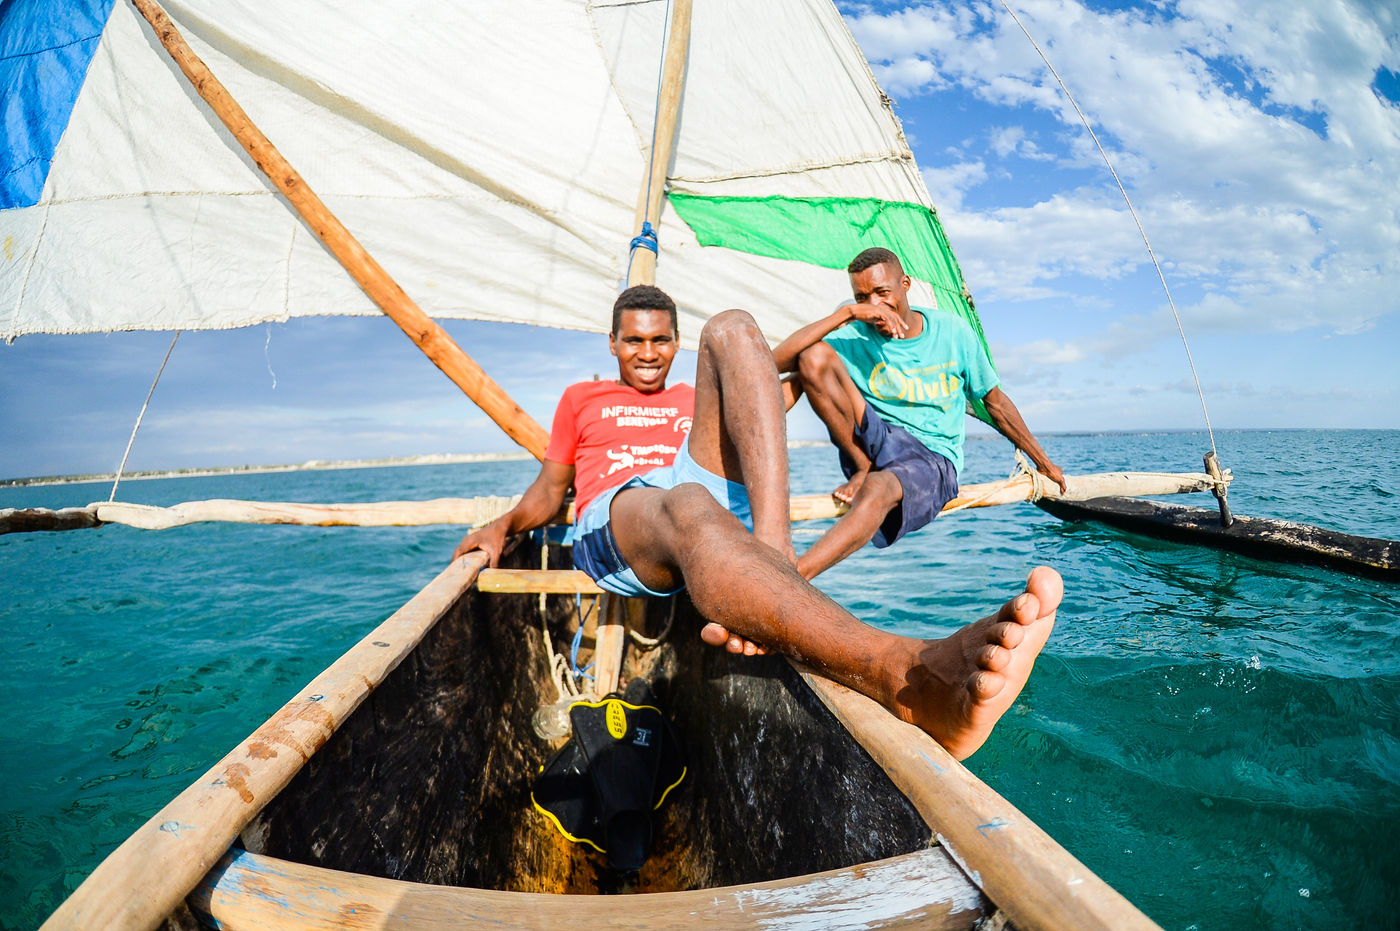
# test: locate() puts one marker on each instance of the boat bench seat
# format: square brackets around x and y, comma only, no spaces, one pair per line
[924,889]
[548,581]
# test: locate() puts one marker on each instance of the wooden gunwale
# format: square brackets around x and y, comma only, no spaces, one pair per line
[147,877]
[1035,881]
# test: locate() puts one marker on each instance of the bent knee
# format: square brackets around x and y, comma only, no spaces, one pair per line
[880,489]
[816,360]
[690,508]
[728,324]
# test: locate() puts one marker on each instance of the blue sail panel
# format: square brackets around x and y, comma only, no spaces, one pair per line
[45,49]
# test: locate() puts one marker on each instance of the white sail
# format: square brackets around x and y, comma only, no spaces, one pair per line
[488,154]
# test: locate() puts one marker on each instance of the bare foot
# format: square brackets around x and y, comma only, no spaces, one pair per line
[956,689]
[717,636]
[851,488]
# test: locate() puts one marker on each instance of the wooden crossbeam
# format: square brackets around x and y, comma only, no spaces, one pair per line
[924,889]
[532,581]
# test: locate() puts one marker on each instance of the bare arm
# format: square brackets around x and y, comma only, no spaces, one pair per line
[541,501]
[885,320]
[1007,419]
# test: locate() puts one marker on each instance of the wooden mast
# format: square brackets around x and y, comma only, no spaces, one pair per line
[642,267]
[615,613]
[368,273]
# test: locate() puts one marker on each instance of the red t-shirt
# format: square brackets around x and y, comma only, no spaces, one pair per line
[610,432]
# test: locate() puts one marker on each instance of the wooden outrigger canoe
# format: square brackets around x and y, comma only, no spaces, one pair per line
[393,791]
[1261,538]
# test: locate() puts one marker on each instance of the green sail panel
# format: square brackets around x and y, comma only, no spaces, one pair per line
[830,231]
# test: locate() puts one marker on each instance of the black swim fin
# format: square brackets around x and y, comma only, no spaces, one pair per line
[563,793]
[618,766]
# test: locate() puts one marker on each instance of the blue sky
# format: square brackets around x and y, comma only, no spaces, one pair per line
[1260,144]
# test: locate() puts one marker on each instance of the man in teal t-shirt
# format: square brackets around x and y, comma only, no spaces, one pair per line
[891,383]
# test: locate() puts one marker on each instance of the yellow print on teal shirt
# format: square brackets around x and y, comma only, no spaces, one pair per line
[932,384]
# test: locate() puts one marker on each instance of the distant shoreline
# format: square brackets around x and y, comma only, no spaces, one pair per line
[309,465]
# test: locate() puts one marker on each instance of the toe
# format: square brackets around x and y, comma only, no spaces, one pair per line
[994,657]
[714,635]
[986,685]
[1025,608]
[1047,586]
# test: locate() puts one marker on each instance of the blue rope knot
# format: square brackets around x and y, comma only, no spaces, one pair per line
[646,239]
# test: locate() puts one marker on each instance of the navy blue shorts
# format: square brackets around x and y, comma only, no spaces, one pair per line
[928,478]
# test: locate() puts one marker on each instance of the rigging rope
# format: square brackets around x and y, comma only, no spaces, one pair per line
[650,643]
[647,237]
[1124,191]
[116,479]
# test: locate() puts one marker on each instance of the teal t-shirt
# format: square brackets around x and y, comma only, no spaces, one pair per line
[921,384]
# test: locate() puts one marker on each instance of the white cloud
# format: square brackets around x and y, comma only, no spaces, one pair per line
[1260,160]
[946,185]
[904,75]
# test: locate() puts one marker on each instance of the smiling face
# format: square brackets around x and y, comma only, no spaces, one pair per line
[645,345]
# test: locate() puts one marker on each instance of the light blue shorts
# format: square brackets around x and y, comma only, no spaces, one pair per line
[595,547]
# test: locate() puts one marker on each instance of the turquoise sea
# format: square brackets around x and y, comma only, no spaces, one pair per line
[1217,737]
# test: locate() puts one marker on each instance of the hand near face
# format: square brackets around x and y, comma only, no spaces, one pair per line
[883,318]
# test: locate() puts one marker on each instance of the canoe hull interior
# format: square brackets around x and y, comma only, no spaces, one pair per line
[429,779]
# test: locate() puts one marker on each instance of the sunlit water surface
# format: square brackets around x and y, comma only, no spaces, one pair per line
[1215,736]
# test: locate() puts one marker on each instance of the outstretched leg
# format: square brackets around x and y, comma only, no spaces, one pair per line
[955,689]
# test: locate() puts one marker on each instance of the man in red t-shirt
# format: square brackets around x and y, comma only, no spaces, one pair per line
[715,521]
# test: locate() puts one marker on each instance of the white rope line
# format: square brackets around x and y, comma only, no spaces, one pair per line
[1021,467]
[992,489]
[1124,191]
[116,479]
[651,643]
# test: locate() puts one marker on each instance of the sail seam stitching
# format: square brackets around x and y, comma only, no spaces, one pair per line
[799,168]
[287,275]
[28,271]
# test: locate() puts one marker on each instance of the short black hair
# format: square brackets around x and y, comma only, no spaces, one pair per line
[644,297]
[872,257]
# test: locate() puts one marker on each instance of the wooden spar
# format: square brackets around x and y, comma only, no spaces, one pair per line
[923,889]
[1023,488]
[478,510]
[156,867]
[1035,881]
[368,273]
[642,267]
[28,520]
[469,511]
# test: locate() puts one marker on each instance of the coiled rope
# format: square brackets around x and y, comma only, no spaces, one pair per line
[1127,200]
